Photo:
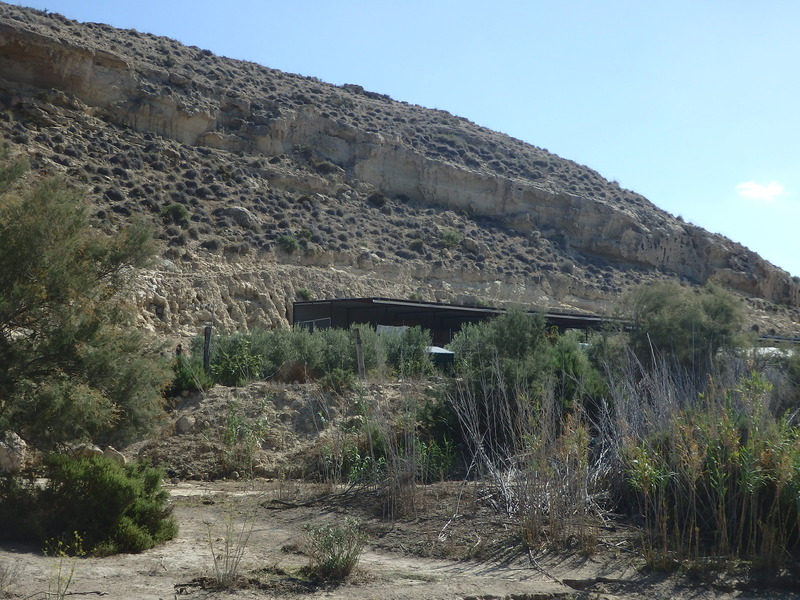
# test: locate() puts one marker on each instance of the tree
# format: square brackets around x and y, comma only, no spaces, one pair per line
[685,325]
[73,367]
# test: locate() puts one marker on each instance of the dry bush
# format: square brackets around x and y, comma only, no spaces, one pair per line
[538,458]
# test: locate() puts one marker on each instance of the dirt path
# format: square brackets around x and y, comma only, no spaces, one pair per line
[176,569]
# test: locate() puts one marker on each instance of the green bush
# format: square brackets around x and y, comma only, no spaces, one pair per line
[334,550]
[450,238]
[175,213]
[189,375]
[338,381]
[407,352]
[235,364]
[114,508]
[288,243]
[682,325]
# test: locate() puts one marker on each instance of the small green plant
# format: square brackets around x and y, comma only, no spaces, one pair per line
[65,553]
[304,293]
[175,213]
[339,381]
[236,364]
[450,238]
[334,550]
[288,243]
[228,550]
[189,375]
[241,438]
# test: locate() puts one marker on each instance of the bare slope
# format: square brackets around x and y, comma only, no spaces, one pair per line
[289,184]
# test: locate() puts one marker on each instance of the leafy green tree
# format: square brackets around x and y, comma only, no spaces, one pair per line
[73,367]
[684,325]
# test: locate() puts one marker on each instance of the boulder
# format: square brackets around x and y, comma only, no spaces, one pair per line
[86,451]
[115,455]
[13,450]
[184,424]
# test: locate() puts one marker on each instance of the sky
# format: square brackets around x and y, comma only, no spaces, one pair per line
[691,103]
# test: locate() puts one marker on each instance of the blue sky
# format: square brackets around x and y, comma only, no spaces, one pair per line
[692,103]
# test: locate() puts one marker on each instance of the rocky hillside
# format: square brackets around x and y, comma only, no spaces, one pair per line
[265,186]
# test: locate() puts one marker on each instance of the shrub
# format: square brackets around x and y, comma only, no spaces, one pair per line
[683,325]
[377,199]
[234,363]
[189,375]
[334,550]
[450,238]
[288,243]
[338,381]
[114,508]
[417,245]
[304,294]
[175,213]
[407,352]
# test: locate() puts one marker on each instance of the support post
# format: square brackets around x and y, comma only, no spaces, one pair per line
[362,372]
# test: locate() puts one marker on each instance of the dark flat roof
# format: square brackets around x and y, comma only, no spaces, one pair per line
[554,318]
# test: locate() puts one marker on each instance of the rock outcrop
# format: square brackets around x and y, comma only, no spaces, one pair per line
[248,149]
[13,452]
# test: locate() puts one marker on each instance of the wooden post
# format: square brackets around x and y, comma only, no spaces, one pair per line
[207,348]
[362,372]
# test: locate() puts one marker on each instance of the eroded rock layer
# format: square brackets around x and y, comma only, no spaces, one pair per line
[264,186]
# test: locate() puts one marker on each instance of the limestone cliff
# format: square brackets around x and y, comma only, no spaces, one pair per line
[379,196]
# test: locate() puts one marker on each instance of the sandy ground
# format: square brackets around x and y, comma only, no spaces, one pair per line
[451,542]
[399,561]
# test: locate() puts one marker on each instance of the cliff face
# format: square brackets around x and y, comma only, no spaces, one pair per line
[256,156]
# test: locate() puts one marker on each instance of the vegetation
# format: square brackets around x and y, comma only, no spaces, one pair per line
[334,550]
[73,367]
[682,325]
[288,243]
[113,508]
[300,355]
[450,238]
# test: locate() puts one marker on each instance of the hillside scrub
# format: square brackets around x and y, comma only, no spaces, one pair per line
[74,369]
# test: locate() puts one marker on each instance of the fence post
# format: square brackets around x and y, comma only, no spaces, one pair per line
[362,372]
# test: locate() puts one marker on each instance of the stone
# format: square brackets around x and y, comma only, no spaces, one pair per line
[184,424]
[86,451]
[115,455]
[13,450]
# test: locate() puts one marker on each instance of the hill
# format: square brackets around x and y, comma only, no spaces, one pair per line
[265,186]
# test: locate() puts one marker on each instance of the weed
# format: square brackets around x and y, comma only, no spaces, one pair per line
[334,550]
[241,437]
[304,294]
[65,555]
[227,551]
